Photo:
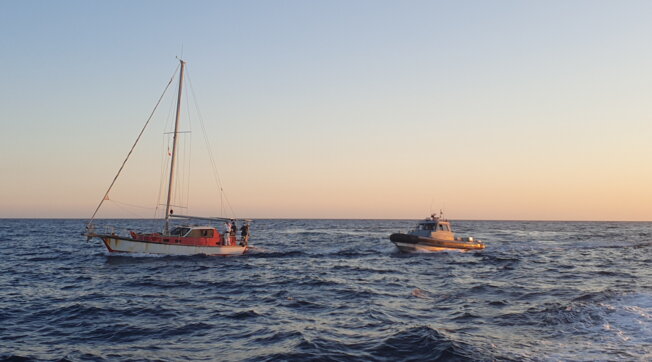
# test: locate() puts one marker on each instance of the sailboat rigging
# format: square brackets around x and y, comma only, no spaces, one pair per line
[182,240]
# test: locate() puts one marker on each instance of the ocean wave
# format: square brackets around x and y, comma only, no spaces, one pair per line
[423,343]
[272,337]
[16,358]
[247,314]
[608,318]
[279,254]
[303,305]
[412,344]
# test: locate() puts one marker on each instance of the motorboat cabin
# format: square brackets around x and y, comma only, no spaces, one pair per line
[434,227]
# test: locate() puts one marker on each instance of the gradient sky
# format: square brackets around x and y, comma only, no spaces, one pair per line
[335,109]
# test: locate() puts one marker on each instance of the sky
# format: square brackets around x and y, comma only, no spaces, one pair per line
[499,110]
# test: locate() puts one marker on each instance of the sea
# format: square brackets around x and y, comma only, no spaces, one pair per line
[331,290]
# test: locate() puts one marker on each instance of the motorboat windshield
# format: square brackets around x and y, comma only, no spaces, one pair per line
[427,225]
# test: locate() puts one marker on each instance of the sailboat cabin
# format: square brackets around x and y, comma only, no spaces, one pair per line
[188,235]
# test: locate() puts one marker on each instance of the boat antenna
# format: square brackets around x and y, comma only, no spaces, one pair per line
[174,150]
[106,194]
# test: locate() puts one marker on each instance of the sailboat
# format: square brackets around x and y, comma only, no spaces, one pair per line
[181,240]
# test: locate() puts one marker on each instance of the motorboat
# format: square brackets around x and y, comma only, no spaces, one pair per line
[434,234]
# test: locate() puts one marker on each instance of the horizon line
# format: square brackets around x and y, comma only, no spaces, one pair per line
[331,218]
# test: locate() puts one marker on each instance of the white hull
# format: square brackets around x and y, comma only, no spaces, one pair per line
[120,245]
[406,247]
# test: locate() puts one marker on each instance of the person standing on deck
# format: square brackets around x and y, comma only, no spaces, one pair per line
[234,230]
[244,235]
[227,233]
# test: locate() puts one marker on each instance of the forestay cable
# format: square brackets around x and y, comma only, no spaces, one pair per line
[131,150]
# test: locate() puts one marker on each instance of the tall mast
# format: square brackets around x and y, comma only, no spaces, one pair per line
[174,151]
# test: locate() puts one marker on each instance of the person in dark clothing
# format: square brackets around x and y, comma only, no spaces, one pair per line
[244,235]
[234,228]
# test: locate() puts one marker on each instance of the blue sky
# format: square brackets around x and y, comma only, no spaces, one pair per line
[505,109]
